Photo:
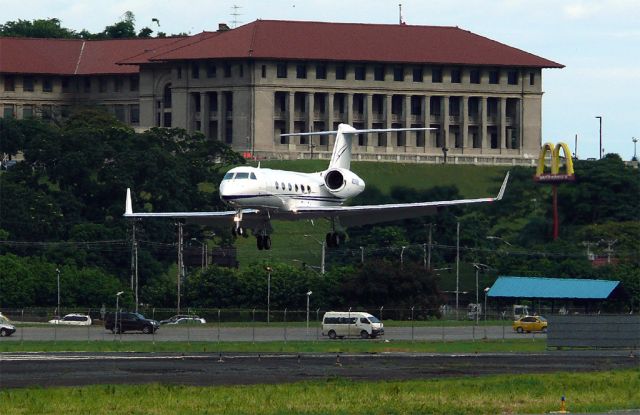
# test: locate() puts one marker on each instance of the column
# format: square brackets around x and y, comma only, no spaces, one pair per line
[330,119]
[502,122]
[310,111]
[388,118]
[222,119]
[368,118]
[426,116]
[484,140]
[204,114]
[445,123]
[290,114]
[465,123]
[350,108]
[409,136]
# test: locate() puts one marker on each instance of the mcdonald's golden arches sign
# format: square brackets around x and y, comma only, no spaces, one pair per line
[555,175]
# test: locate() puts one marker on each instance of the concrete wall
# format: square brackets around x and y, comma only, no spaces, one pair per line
[616,331]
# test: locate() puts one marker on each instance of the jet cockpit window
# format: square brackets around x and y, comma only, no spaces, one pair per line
[253,176]
[242,176]
[228,176]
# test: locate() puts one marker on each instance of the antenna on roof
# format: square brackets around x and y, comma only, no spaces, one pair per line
[400,21]
[235,15]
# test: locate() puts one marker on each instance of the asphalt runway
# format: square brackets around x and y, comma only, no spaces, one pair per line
[19,370]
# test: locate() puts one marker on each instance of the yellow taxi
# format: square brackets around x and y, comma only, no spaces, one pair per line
[530,323]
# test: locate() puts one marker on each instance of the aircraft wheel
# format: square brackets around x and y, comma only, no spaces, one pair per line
[267,242]
[240,231]
[336,239]
[328,240]
[260,242]
[233,232]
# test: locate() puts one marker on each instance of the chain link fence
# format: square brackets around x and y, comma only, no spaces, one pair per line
[258,325]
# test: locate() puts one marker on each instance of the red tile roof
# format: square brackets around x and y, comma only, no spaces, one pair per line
[72,56]
[267,39]
[295,40]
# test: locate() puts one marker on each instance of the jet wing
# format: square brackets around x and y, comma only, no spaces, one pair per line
[370,214]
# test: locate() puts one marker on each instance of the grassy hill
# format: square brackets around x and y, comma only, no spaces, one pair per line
[297,242]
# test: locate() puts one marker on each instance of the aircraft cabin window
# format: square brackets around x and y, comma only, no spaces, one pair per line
[276,185]
[296,188]
[228,176]
[282,185]
[242,176]
[302,188]
[253,176]
[308,189]
[289,186]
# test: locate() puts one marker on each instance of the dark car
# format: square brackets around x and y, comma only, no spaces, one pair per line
[125,321]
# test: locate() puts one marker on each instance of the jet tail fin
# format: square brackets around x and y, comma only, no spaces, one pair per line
[128,207]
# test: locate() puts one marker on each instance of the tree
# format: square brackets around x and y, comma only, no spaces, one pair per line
[38,28]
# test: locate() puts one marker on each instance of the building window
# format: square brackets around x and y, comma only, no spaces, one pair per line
[47,112]
[281,70]
[378,73]
[9,111]
[102,84]
[264,71]
[456,76]
[213,101]
[512,77]
[27,84]
[341,72]
[47,85]
[119,112]
[321,71]
[87,84]
[134,114]
[416,105]
[474,76]
[227,70]
[228,102]
[166,96]
[134,83]
[179,72]
[241,69]
[398,73]
[360,73]
[27,111]
[211,70]
[195,70]
[532,78]
[9,83]
[494,77]
[417,74]
[301,71]
[65,85]
[436,75]
[118,85]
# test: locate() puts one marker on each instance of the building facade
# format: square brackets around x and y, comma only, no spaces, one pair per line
[247,86]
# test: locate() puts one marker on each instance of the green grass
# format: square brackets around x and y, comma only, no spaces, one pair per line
[340,346]
[585,392]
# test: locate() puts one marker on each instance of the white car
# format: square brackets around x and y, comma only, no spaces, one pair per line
[6,328]
[73,320]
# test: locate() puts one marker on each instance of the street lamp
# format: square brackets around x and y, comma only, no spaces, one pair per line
[308,295]
[635,157]
[478,266]
[115,323]
[58,308]
[268,293]
[497,238]
[599,117]
[486,291]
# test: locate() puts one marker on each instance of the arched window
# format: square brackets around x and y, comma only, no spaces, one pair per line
[166,96]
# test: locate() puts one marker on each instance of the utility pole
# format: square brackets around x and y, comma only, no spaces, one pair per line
[457,265]
[180,265]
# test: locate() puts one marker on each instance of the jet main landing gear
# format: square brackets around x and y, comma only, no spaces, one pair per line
[263,242]
[334,239]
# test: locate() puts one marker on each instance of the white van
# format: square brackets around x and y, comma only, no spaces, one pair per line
[346,324]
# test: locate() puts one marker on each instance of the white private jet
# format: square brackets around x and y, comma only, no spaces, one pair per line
[260,195]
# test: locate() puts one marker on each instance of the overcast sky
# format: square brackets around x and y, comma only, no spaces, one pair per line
[597,40]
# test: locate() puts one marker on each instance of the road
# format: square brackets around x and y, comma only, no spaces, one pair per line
[227,334]
[80,369]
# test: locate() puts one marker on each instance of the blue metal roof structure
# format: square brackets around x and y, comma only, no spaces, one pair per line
[538,287]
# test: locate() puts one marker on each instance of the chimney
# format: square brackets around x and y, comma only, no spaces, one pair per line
[223,27]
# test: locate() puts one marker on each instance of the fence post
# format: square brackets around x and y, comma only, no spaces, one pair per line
[89,327]
[318,324]
[253,326]
[412,323]
[55,332]
[22,326]
[285,325]
[153,332]
[218,329]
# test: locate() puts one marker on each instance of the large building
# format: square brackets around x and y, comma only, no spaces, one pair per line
[246,86]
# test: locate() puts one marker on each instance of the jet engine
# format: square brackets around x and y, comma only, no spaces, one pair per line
[343,183]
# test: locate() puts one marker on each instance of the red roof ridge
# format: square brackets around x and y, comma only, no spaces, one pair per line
[349,23]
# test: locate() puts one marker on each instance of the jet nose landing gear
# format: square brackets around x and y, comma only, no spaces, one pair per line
[334,239]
